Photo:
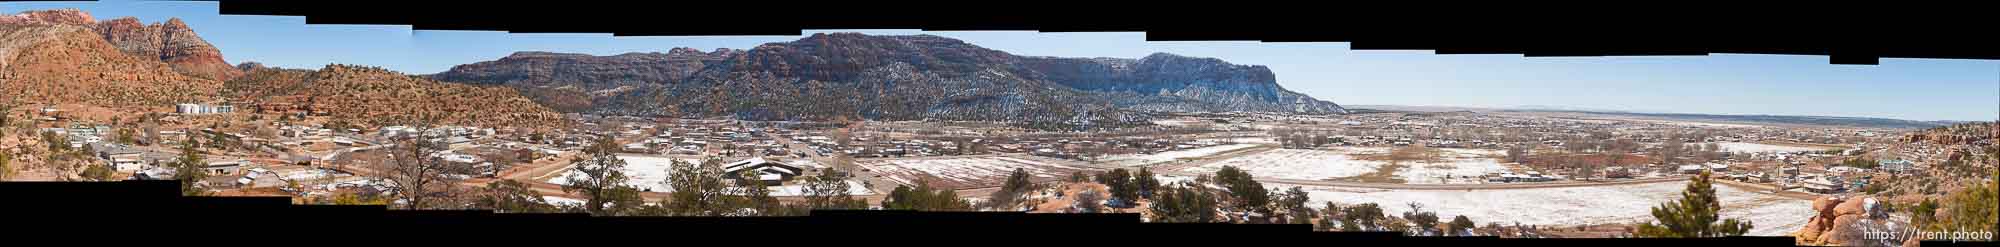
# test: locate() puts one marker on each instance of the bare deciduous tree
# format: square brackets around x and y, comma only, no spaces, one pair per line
[1088,201]
[419,174]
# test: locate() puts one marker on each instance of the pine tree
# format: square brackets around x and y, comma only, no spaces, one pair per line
[698,189]
[751,194]
[1971,209]
[1245,192]
[1119,183]
[1146,182]
[1006,198]
[1694,215]
[1423,221]
[600,177]
[923,198]
[829,190]
[1460,224]
[1184,204]
[188,169]
[1365,216]
[509,196]
[1924,213]
[1331,214]
[1293,203]
[6,164]
[97,173]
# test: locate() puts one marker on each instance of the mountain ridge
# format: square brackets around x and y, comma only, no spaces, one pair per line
[905,70]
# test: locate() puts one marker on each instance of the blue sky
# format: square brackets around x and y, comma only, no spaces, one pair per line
[1917,89]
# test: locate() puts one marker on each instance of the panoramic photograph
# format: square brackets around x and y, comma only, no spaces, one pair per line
[1306,133]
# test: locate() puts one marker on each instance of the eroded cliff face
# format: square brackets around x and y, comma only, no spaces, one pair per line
[172,42]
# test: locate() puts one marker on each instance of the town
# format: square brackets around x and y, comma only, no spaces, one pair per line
[318,159]
[1064,126]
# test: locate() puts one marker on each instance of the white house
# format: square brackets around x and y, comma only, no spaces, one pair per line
[224,167]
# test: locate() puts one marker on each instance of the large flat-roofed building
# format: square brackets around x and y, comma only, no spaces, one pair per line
[202,109]
[767,172]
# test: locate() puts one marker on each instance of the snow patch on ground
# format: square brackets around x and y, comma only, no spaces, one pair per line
[1461,166]
[1252,140]
[1570,206]
[645,172]
[1169,156]
[970,170]
[1296,164]
[1172,179]
[1745,147]
[853,188]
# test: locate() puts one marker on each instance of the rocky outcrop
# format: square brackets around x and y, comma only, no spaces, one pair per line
[1846,222]
[1981,133]
[171,42]
[55,16]
[908,77]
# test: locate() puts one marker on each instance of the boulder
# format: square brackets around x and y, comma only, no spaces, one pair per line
[1835,222]
[1850,207]
[1824,202]
[1809,233]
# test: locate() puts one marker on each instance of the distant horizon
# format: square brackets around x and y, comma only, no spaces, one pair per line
[1534,108]
[1723,84]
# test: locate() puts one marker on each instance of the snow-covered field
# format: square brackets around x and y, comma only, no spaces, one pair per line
[853,188]
[962,172]
[647,173]
[1296,164]
[1171,179]
[805,163]
[1250,140]
[1461,165]
[1176,122]
[1771,215]
[1745,147]
[1169,156]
